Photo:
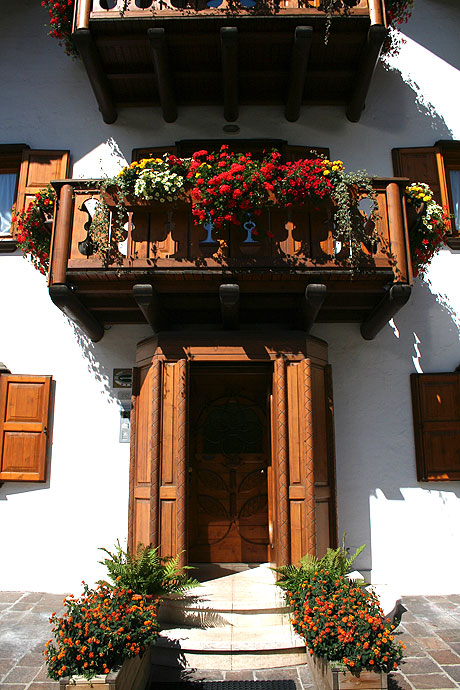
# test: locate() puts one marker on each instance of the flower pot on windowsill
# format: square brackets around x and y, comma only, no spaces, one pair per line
[328,676]
[133,675]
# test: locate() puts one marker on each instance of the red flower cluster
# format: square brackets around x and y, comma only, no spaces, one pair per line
[300,181]
[61,17]
[227,187]
[32,236]
[342,622]
[99,631]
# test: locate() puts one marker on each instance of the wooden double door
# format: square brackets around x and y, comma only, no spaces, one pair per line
[232,451]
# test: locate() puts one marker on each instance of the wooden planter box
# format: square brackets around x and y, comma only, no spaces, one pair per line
[133,675]
[328,677]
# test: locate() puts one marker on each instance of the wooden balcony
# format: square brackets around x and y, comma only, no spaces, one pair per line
[173,53]
[172,277]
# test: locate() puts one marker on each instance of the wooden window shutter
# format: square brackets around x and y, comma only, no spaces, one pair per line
[24,424]
[153,152]
[423,164]
[436,409]
[38,168]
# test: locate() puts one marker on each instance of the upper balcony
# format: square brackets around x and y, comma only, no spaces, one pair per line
[173,273]
[173,53]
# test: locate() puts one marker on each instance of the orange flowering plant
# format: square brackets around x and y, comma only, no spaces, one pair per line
[99,630]
[342,622]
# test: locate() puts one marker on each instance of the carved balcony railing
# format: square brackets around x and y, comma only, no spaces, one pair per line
[186,265]
[173,52]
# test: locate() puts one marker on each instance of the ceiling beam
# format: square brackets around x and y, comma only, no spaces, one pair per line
[229,46]
[394,300]
[369,58]
[298,72]
[89,54]
[229,296]
[146,299]
[163,73]
[69,303]
[315,294]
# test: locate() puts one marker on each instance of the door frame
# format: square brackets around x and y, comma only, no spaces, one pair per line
[158,456]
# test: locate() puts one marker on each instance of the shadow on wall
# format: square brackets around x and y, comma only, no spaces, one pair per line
[117,349]
[375,454]
[427,28]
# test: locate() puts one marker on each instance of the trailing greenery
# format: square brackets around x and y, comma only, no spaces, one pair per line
[145,572]
[336,561]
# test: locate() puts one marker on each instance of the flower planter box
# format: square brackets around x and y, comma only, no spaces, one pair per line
[133,675]
[327,676]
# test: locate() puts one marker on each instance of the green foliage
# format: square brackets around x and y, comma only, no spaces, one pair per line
[336,561]
[146,573]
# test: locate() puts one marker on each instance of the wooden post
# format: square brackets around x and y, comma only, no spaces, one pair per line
[398,246]
[315,294]
[157,39]
[62,233]
[299,66]
[280,458]
[146,298]
[376,12]
[84,41]
[82,14]
[229,45]
[155,450]
[71,305]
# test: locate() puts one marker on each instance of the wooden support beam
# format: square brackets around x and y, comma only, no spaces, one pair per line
[315,294]
[86,46]
[298,74]
[394,300]
[147,300]
[229,296]
[375,38]
[229,45]
[157,38]
[69,303]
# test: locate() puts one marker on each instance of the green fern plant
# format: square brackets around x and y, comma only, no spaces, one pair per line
[145,572]
[335,561]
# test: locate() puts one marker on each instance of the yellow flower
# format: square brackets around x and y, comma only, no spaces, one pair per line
[427,198]
[326,172]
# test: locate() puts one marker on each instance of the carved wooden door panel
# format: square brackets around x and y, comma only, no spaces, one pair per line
[228,503]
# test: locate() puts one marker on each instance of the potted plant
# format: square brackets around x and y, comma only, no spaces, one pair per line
[349,641]
[104,636]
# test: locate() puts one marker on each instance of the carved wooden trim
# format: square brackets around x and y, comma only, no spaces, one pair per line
[309,458]
[181,459]
[155,446]
[281,459]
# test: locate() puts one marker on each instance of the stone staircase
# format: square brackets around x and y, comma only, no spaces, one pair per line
[236,622]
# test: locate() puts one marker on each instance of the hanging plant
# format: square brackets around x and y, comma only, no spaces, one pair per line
[60,21]
[429,226]
[33,228]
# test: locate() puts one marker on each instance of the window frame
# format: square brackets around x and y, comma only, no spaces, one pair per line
[450,160]
[10,162]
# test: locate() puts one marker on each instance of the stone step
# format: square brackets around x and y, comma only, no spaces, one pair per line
[239,622]
[229,647]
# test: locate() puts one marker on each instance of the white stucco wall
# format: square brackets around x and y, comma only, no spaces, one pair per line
[50,533]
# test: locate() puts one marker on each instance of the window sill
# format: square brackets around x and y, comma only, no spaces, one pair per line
[7,245]
[453,242]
